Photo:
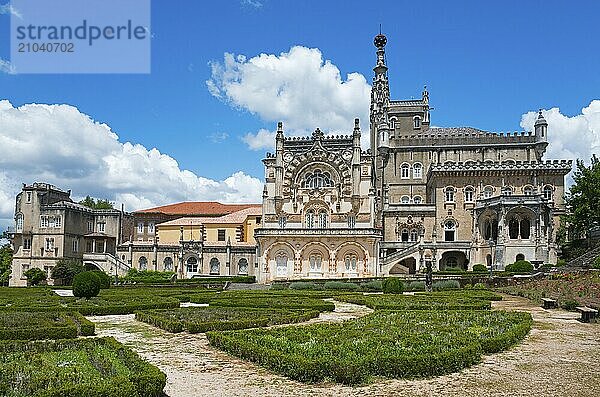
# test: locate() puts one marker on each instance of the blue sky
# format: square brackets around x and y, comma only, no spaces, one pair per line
[485,63]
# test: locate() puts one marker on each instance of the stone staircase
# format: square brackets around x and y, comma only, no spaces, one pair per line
[587,259]
[400,254]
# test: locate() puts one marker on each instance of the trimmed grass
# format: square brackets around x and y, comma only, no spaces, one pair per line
[203,319]
[407,344]
[96,367]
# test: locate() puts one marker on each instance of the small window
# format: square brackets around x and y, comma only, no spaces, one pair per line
[309,219]
[90,226]
[351,261]
[43,221]
[282,222]
[416,122]
[404,235]
[75,245]
[414,235]
[101,227]
[405,171]
[29,197]
[49,246]
[405,200]
[143,263]
[140,227]
[417,171]
[488,192]
[258,220]
[449,194]
[57,221]
[449,230]
[315,261]
[351,221]
[392,123]
[506,191]
[150,227]
[191,265]
[547,192]
[168,264]
[19,222]
[221,235]
[27,244]
[469,194]
[243,266]
[417,200]
[215,266]
[322,219]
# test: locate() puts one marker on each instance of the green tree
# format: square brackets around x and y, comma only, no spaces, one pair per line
[35,276]
[66,269]
[583,199]
[97,204]
[86,285]
[6,254]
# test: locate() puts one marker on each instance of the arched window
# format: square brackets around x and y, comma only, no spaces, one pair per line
[488,192]
[414,235]
[417,171]
[351,221]
[449,230]
[469,194]
[528,191]
[416,122]
[405,171]
[452,262]
[449,194]
[315,261]
[322,220]
[513,228]
[520,257]
[191,265]
[525,228]
[168,264]
[243,266]
[487,230]
[309,219]
[215,266]
[405,199]
[317,179]
[404,236]
[350,261]
[143,263]
[417,200]
[282,222]
[392,123]
[506,190]
[19,222]
[547,192]
[281,260]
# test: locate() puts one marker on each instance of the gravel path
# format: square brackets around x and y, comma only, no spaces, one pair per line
[560,357]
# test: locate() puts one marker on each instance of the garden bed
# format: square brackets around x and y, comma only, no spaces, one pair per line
[408,344]
[307,300]
[96,367]
[203,319]
[43,325]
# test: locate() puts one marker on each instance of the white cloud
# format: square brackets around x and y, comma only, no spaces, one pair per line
[60,145]
[252,3]
[9,9]
[7,67]
[263,139]
[297,87]
[218,137]
[570,137]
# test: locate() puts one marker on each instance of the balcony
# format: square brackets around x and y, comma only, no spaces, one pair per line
[366,232]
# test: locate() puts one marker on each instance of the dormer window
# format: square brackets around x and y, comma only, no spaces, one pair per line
[416,122]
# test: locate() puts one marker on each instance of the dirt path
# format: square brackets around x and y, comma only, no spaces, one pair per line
[560,357]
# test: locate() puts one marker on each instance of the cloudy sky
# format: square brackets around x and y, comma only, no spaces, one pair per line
[223,74]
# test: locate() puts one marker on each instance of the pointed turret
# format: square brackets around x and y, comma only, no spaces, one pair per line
[380,91]
[541,127]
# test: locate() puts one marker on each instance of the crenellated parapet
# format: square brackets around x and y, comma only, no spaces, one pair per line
[556,167]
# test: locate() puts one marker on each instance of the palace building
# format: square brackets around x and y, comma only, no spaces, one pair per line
[420,196]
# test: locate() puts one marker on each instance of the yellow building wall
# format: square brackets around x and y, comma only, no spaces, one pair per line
[212,233]
[171,234]
[249,226]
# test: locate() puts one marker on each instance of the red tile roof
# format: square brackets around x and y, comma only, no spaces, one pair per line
[233,218]
[198,208]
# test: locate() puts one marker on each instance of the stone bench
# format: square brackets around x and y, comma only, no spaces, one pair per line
[587,313]
[548,303]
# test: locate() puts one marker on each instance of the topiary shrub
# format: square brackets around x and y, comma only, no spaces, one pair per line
[479,268]
[416,286]
[86,284]
[303,285]
[105,279]
[35,276]
[520,267]
[392,285]
[342,286]
[445,284]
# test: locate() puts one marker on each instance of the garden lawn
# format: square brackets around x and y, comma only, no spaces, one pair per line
[43,325]
[407,344]
[96,367]
[202,319]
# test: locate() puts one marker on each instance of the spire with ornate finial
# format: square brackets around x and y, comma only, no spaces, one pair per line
[541,127]
[318,134]
[380,90]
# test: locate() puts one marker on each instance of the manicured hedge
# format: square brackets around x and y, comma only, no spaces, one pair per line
[218,280]
[203,319]
[407,344]
[308,300]
[43,325]
[95,367]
